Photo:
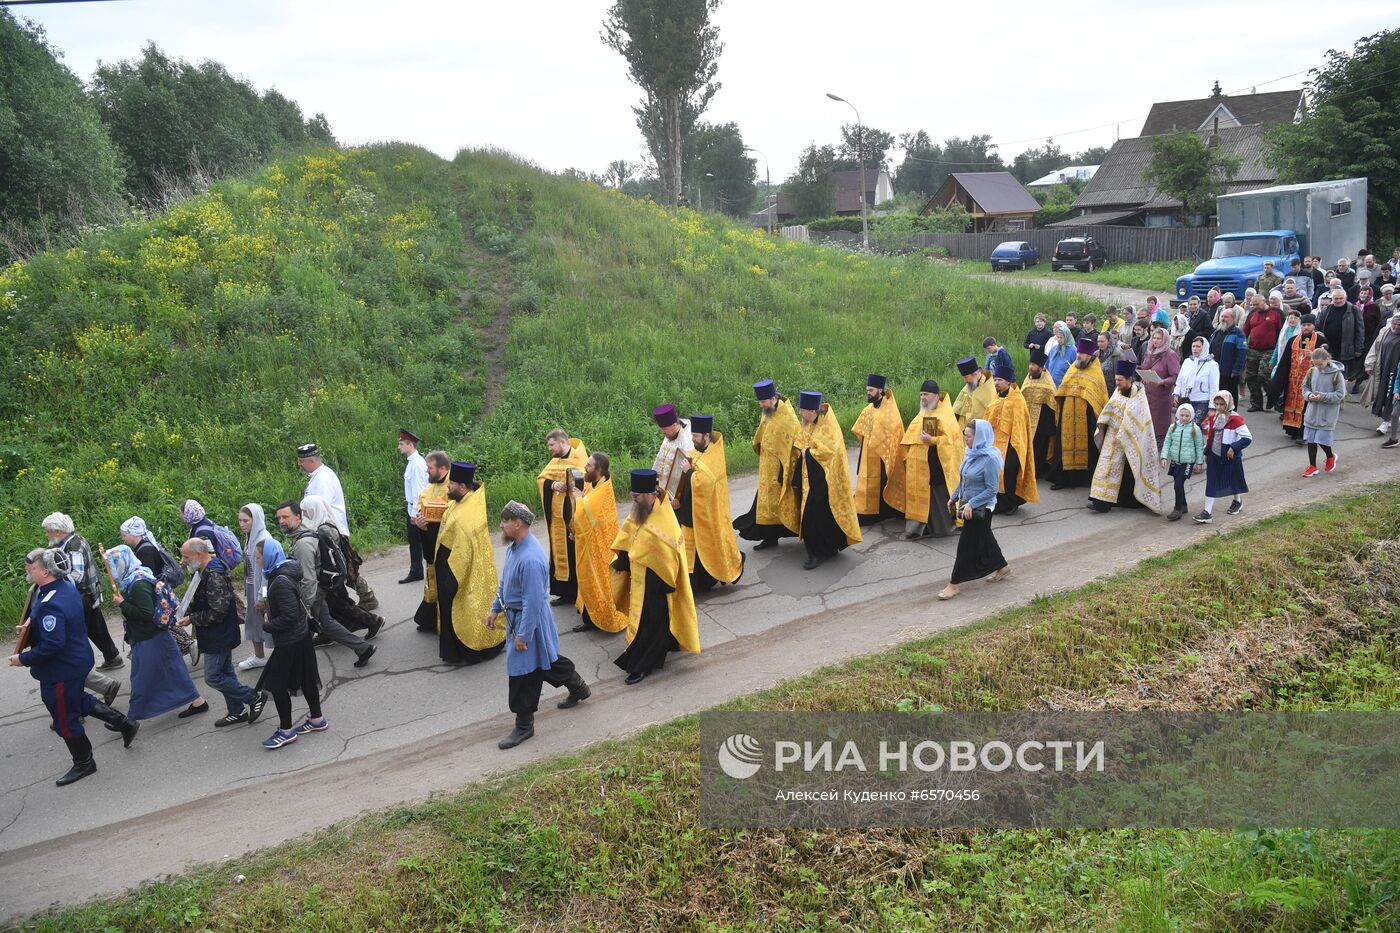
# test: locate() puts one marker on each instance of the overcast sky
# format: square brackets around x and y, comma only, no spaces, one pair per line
[533,76]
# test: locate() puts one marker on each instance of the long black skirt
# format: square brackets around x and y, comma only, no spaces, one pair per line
[653,640]
[886,510]
[291,669]
[978,551]
[1040,444]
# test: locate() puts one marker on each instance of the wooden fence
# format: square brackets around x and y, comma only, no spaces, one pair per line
[1124,244]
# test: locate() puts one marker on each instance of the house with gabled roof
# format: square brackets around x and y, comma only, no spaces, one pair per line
[994,201]
[1119,194]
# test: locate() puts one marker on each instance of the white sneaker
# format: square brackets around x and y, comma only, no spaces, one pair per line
[250,662]
[1383,427]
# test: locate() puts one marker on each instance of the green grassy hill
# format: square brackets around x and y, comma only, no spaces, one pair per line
[480,302]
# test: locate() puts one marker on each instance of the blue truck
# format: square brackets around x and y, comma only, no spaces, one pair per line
[1279,224]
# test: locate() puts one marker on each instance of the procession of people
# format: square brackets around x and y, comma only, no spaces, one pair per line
[1116,411]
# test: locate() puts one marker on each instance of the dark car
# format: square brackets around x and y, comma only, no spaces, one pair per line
[1080,252]
[1014,254]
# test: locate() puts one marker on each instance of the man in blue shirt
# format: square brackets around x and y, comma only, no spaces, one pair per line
[59,657]
[532,638]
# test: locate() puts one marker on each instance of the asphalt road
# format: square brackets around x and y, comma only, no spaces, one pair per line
[408,726]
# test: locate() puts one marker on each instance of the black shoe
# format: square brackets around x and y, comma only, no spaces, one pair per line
[581,627]
[364,657]
[323,640]
[412,578]
[112,663]
[765,544]
[80,770]
[111,692]
[522,731]
[1059,486]
[575,698]
[1175,515]
[374,627]
[255,708]
[636,678]
[118,722]
[812,563]
[232,719]
[193,710]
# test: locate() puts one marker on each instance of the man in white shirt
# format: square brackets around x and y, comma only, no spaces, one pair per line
[322,481]
[415,480]
[676,446]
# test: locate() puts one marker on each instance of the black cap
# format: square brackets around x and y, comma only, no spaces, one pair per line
[461,472]
[308,450]
[643,481]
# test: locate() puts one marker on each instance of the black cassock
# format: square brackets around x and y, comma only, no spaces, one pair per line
[566,590]
[653,640]
[820,532]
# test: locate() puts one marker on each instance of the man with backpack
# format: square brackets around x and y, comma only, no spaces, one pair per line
[83,574]
[322,481]
[318,576]
[214,615]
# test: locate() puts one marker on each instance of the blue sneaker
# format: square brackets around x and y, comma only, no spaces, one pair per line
[280,738]
[313,725]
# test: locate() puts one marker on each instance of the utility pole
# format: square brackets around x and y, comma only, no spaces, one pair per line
[860,160]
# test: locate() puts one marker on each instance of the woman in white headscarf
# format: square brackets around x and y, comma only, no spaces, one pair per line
[252,523]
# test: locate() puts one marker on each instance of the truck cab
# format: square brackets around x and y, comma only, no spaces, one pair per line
[1237,260]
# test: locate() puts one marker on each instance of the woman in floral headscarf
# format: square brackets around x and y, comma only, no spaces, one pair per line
[160,682]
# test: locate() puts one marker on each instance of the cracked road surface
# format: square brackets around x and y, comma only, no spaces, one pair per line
[409,726]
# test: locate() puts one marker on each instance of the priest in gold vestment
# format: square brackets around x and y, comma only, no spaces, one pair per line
[1081,397]
[1011,426]
[594,528]
[650,582]
[926,467]
[434,498]
[773,514]
[1126,474]
[1038,389]
[566,454]
[977,392]
[466,573]
[821,482]
[878,428]
[712,551]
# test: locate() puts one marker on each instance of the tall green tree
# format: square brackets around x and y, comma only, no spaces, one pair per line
[1185,168]
[926,163]
[170,117]
[1351,128]
[58,167]
[863,143]
[719,151]
[1033,163]
[672,52]
[811,188]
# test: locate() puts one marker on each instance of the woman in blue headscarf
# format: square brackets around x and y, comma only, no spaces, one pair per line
[160,682]
[292,666]
[979,555]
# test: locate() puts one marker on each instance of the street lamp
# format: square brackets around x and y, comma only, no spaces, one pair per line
[860,160]
[768,180]
[700,192]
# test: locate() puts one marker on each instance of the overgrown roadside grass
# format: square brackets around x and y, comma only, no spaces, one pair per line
[1299,612]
